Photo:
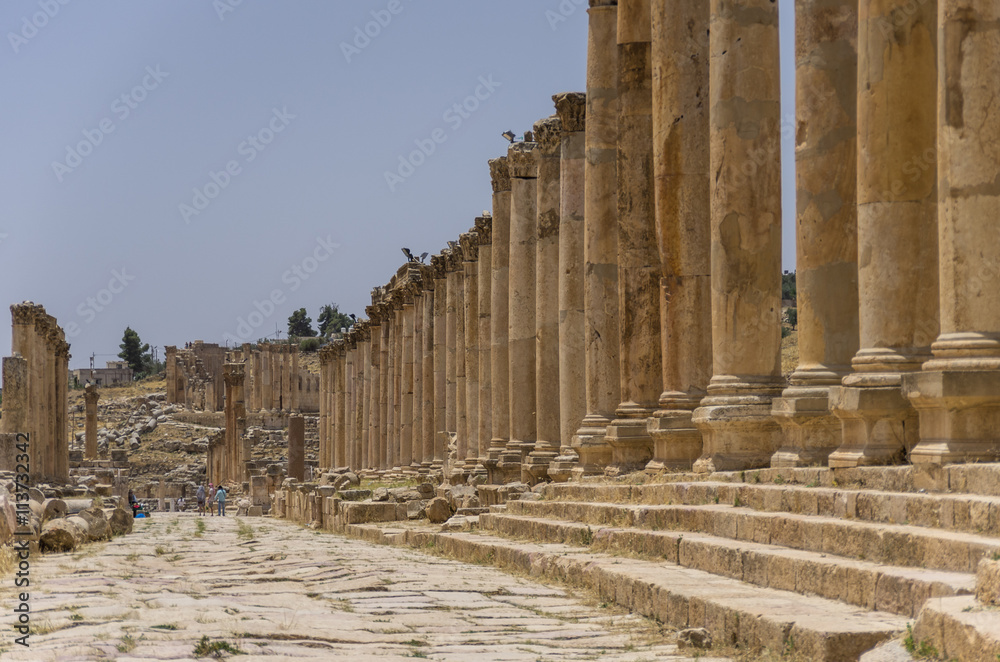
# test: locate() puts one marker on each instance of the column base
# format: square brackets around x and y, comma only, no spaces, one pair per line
[809,431]
[738,433]
[508,467]
[676,441]
[959,413]
[561,467]
[878,426]
[590,444]
[631,444]
[536,466]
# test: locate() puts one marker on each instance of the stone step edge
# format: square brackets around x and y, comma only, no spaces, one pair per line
[860,583]
[926,509]
[949,550]
[736,613]
[959,628]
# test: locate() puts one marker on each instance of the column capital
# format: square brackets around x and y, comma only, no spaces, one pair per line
[548,136]
[484,229]
[470,246]
[571,107]
[23,313]
[500,174]
[439,265]
[326,354]
[233,374]
[603,3]
[91,394]
[521,160]
[453,257]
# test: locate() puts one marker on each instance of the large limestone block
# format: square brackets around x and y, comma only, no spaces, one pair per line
[97,521]
[438,510]
[120,521]
[8,517]
[61,535]
[54,509]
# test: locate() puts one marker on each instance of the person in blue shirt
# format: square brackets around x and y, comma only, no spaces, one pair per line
[220,496]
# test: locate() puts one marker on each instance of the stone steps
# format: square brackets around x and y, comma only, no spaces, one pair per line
[736,613]
[971,513]
[891,544]
[869,585]
[959,628]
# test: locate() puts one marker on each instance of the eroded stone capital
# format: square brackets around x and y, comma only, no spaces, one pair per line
[521,160]
[500,174]
[548,136]
[484,229]
[571,108]
[470,246]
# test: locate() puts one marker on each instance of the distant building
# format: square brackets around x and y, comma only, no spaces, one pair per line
[116,374]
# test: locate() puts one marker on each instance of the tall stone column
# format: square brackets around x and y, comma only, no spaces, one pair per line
[365,406]
[45,441]
[470,281]
[265,376]
[16,395]
[548,134]
[459,468]
[452,262]
[384,381]
[324,407]
[571,109]
[349,390]
[297,447]
[641,361]
[233,461]
[441,336]
[293,392]
[682,192]
[523,239]
[484,232]
[374,395]
[745,124]
[392,386]
[499,321]
[257,386]
[406,385]
[340,405]
[428,392]
[90,396]
[418,378]
[600,248]
[170,368]
[62,408]
[826,35]
[897,230]
[397,384]
[958,393]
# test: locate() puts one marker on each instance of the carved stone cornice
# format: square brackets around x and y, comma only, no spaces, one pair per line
[548,136]
[521,160]
[484,229]
[500,174]
[571,107]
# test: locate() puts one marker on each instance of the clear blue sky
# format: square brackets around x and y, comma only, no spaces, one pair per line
[116,112]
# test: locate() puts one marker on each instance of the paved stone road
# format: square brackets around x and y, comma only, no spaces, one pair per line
[279,591]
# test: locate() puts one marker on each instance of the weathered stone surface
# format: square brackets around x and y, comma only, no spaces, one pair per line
[438,510]
[62,535]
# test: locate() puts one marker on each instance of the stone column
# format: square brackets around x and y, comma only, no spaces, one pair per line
[682,192]
[384,381]
[441,336]
[548,134]
[571,109]
[235,412]
[62,408]
[428,403]
[397,386]
[391,387]
[170,367]
[418,378]
[641,359]
[375,397]
[406,385]
[897,229]
[958,393]
[365,406]
[293,377]
[265,373]
[603,382]
[324,408]
[91,396]
[297,447]
[523,239]
[484,232]
[470,251]
[745,124]
[349,391]
[16,396]
[500,320]
[826,35]
[257,386]
[459,469]
[340,405]
[451,364]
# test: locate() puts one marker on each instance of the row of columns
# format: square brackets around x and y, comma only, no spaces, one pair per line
[621,307]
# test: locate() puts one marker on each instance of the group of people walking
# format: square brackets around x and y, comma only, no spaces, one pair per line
[214,494]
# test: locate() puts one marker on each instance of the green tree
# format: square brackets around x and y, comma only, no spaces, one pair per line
[134,352]
[331,320]
[300,324]
[788,285]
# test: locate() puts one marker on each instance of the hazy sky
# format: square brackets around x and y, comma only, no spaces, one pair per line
[173,165]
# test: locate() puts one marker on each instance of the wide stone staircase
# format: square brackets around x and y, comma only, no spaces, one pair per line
[821,564]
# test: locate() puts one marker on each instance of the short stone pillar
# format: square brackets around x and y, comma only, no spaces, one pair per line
[523,236]
[957,394]
[897,231]
[297,447]
[603,383]
[90,396]
[826,227]
[548,136]
[735,418]
[682,190]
